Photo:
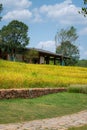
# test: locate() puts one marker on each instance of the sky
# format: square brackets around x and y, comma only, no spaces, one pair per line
[45,18]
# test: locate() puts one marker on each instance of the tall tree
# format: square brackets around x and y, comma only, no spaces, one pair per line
[66,35]
[0,20]
[65,40]
[14,36]
[0,10]
[69,50]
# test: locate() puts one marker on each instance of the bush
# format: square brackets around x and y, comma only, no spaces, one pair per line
[78,88]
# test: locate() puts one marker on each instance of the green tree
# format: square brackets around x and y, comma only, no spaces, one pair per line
[0,30]
[0,10]
[66,35]
[14,36]
[31,55]
[65,40]
[69,50]
[84,9]
[82,63]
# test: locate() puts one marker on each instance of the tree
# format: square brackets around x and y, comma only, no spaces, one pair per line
[0,10]
[66,35]
[84,9]
[0,20]
[65,44]
[14,37]
[82,63]
[31,55]
[69,50]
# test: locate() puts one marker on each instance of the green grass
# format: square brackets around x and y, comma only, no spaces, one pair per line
[78,88]
[21,75]
[53,105]
[79,128]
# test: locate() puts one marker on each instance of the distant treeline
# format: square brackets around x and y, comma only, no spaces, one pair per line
[82,63]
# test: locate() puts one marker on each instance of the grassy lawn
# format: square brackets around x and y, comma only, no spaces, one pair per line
[79,128]
[53,105]
[21,75]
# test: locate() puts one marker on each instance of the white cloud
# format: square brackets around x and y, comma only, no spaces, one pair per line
[81,48]
[47,45]
[16,4]
[16,9]
[83,31]
[18,14]
[85,53]
[68,1]
[55,10]
[36,16]
[65,13]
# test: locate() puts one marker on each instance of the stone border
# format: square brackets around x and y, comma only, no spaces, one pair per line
[28,93]
[58,123]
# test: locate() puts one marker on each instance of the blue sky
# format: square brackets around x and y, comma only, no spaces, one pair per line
[44,18]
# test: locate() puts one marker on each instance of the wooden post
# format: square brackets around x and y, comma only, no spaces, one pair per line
[0,54]
[62,61]
[54,61]
[47,60]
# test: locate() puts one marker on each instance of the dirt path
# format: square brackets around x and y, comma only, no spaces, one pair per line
[58,123]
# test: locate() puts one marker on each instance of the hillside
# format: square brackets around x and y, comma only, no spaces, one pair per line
[21,75]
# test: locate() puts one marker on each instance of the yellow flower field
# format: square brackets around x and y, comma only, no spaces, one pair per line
[21,75]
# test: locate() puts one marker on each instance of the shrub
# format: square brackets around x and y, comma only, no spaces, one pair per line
[78,88]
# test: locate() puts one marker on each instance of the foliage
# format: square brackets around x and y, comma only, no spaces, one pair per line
[0,18]
[70,50]
[78,88]
[52,105]
[84,9]
[66,35]
[21,75]
[14,36]
[82,63]
[0,10]
[64,45]
[31,55]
